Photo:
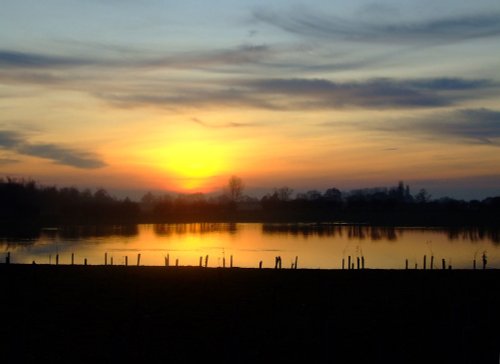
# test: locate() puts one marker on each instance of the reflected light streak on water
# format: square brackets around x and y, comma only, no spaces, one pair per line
[316,245]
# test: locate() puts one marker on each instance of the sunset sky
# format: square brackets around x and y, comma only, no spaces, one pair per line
[137,95]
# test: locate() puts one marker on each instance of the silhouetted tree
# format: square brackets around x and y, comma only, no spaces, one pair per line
[235,188]
[422,196]
[148,198]
[313,195]
[333,195]
[283,193]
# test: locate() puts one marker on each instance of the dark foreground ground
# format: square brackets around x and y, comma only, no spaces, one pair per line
[174,315]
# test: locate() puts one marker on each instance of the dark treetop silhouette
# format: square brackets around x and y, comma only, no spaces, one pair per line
[26,201]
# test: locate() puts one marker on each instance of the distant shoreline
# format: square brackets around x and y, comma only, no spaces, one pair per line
[88,222]
[25,202]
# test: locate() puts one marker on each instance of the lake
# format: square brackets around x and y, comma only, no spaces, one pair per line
[316,245]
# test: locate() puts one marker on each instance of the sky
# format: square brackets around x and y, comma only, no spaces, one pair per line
[137,95]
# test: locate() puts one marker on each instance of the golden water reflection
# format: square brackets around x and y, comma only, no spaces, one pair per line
[316,245]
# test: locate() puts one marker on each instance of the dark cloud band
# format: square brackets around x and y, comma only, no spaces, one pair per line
[11,59]
[319,94]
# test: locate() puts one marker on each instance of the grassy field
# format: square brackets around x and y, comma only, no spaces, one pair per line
[153,314]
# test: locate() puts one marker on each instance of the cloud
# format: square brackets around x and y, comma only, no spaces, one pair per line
[263,93]
[307,94]
[379,93]
[187,98]
[219,126]
[4,161]
[42,69]
[17,142]
[243,54]
[375,93]
[321,26]
[108,71]
[473,125]
[12,59]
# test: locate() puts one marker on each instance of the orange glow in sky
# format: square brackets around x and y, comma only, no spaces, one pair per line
[342,95]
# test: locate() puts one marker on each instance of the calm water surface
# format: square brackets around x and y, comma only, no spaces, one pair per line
[315,245]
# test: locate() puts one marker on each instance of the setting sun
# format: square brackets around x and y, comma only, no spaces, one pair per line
[192,164]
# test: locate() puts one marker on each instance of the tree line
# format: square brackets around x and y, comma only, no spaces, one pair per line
[25,200]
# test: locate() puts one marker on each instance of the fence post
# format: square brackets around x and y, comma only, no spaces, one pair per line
[231,261]
[126,260]
[105,258]
[443,263]
[260,264]
[72,258]
[138,259]
[425,262]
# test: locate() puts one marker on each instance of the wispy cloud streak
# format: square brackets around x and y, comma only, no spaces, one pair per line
[469,126]
[376,93]
[245,54]
[12,59]
[474,125]
[17,142]
[219,126]
[306,94]
[4,161]
[447,29]
[263,93]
